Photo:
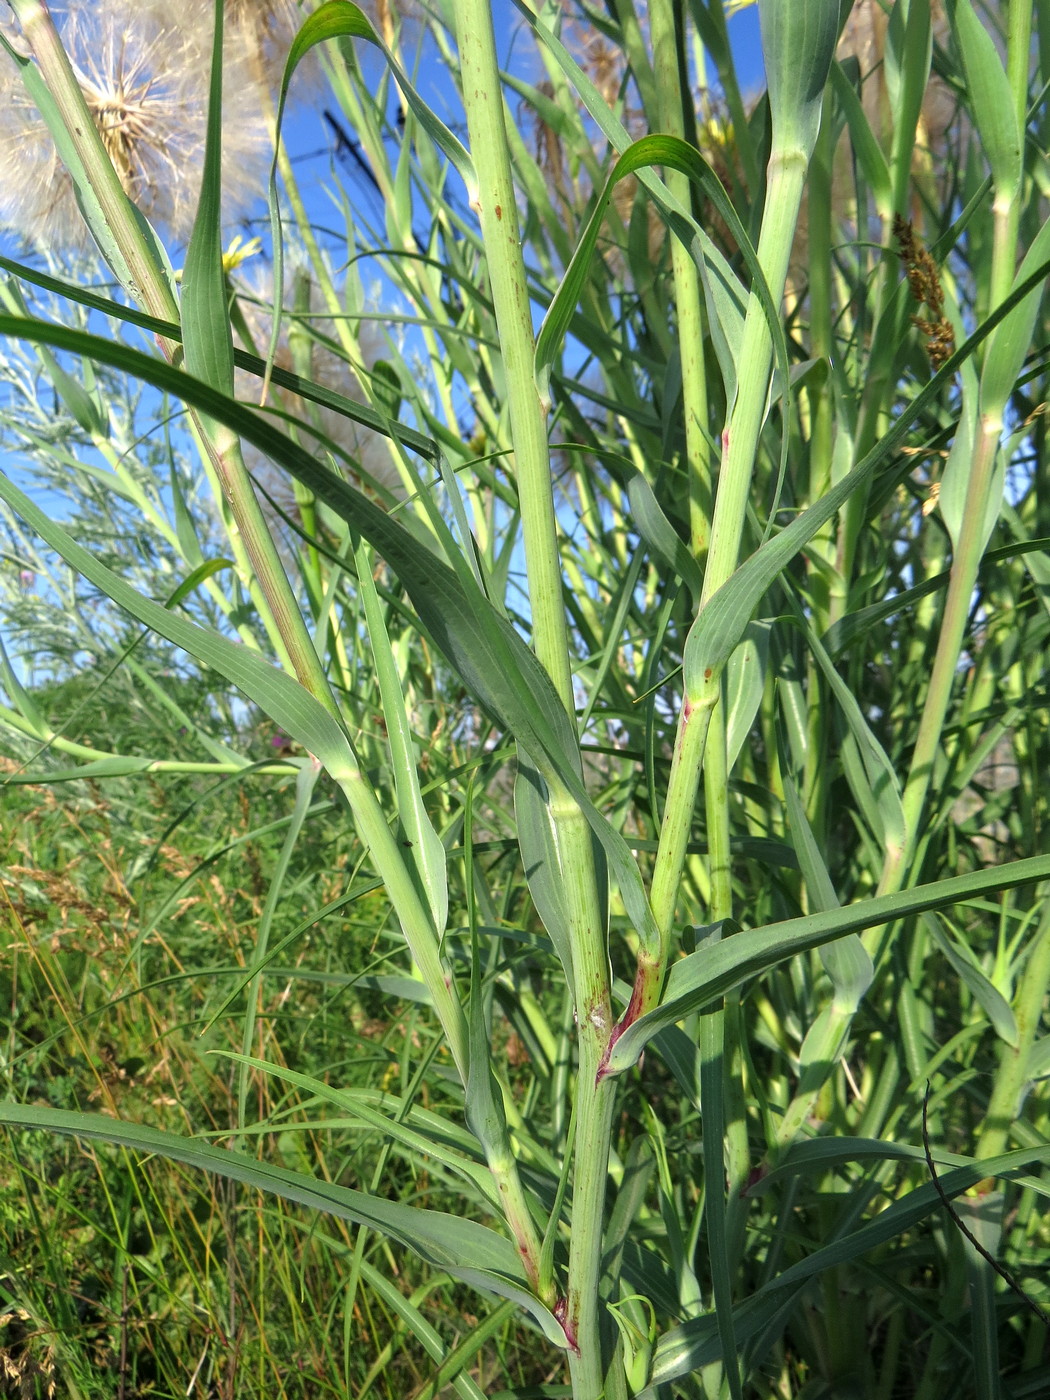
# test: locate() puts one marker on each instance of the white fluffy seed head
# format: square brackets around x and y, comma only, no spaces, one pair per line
[145,80]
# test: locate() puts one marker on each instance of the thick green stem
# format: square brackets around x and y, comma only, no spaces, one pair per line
[1007,204]
[594,1109]
[690,742]
[787,170]
[666,21]
[497,210]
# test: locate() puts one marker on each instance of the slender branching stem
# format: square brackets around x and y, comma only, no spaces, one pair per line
[786,175]
[666,19]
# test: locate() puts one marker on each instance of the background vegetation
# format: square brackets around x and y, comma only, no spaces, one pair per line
[398,928]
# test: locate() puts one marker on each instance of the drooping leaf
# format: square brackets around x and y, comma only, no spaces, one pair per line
[486,652]
[467,1250]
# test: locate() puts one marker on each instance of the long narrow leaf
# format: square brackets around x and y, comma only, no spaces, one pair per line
[467,1250]
[703,977]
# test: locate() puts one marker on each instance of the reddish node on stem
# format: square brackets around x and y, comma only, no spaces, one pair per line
[634,1010]
[725,440]
[561,1312]
[754,1176]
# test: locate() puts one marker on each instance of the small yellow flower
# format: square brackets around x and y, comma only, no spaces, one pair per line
[240,250]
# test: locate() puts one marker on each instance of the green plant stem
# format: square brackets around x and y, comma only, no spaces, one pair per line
[148,284]
[139,273]
[972,533]
[666,21]
[821,447]
[1006,205]
[690,741]
[498,214]
[595,1102]
[786,177]
[949,645]
[1003,1106]
[501,236]
[413,914]
[285,620]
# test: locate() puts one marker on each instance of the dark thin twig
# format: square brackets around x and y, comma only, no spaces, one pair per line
[1003,1273]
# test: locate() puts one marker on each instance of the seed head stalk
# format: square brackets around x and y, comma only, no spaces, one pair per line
[667,21]
[798,38]
[786,177]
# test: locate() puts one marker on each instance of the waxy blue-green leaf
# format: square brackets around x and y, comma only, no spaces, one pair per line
[991,100]
[798,44]
[705,976]
[829,1153]
[1038,1066]
[342,19]
[115,766]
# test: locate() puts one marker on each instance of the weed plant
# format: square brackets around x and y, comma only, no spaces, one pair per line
[527,877]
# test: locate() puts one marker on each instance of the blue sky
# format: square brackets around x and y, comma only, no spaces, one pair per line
[309,137]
